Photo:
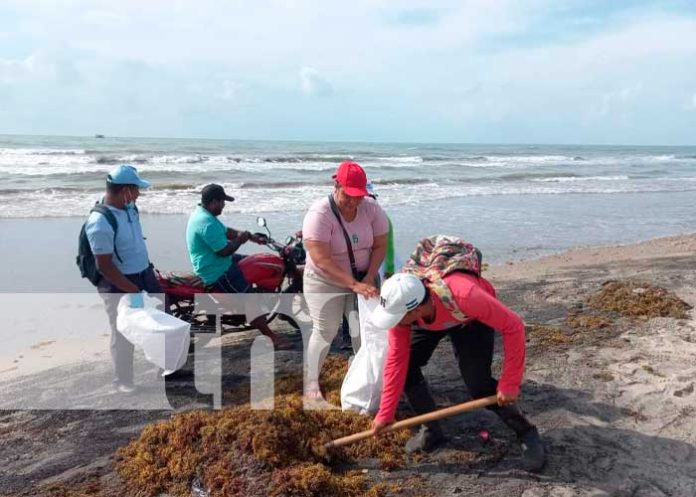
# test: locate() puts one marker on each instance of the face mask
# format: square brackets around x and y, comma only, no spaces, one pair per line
[130,204]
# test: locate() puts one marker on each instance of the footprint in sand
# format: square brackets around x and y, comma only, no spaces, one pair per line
[41,345]
[685,391]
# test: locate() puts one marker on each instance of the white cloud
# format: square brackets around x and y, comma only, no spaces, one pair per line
[230,91]
[618,99]
[472,68]
[313,83]
[103,18]
[636,67]
[269,35]
[37,67]
[11,71]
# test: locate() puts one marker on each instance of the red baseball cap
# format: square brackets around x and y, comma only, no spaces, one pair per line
[351,176]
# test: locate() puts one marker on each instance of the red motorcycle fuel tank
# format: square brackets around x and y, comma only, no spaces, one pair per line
[263,270]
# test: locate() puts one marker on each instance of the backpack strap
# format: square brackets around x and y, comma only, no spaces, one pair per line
[349,245]
[102,209]
[437,285]
[440,288]
[432,261]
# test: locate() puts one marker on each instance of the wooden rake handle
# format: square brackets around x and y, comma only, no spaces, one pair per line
[418,420]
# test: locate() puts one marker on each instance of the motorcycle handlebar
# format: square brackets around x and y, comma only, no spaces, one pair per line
[270,242]
[278,247]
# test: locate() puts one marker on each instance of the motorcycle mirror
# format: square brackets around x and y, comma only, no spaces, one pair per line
[261,221]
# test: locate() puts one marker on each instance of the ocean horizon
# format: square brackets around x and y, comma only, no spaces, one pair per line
[513,201]
[48,176]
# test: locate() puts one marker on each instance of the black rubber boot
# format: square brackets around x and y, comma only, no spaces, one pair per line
[430,435]
[428,438]
[533,454]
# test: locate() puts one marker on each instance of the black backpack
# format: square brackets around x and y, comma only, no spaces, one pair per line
[85,258]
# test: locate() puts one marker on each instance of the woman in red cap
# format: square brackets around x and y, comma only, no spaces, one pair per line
[345,235]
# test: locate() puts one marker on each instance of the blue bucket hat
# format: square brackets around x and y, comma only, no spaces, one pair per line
[126,175]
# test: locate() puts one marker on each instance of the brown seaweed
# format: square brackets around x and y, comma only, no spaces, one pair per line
[277,452]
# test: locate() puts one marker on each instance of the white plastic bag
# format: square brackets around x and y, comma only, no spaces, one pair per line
[362,386]
[163,338]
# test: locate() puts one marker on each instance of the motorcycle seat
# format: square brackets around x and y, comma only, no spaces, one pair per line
[182,278]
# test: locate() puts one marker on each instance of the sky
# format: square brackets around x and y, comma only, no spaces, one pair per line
[465,71]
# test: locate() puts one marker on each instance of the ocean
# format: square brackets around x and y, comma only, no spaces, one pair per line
[514,201]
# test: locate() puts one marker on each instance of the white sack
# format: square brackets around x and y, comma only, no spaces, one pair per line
[163,338]
[362,385]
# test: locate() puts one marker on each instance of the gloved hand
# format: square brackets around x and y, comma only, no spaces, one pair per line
[135,300]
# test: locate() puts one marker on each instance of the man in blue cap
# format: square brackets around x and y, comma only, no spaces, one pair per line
[122,259]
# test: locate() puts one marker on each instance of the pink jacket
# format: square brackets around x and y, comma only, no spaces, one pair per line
[476,298]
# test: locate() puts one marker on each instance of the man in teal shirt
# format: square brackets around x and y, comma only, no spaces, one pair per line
[212,248]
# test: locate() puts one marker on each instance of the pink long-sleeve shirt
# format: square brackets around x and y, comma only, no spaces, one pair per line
[476,298]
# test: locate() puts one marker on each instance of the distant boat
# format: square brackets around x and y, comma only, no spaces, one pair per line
[99,136]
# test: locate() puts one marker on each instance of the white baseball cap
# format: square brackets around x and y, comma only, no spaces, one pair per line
[400,294]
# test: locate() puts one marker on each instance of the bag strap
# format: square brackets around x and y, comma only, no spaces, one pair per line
[349,245]
[440,288]
[102,209]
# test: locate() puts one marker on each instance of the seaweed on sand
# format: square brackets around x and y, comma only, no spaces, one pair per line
[543,334]
[586,321]
[639,299]
[599,313]
[239,451]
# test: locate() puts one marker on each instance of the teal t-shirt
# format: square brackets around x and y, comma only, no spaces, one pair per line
[205,235]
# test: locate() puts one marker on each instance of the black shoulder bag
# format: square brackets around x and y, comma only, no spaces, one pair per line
[358,275]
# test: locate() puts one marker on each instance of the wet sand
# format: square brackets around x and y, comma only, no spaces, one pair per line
[616,406]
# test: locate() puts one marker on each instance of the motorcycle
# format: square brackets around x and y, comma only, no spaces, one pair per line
[267,273]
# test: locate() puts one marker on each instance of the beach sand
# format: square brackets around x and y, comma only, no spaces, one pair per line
[615,405]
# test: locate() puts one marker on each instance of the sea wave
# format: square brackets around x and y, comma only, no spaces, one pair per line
[46,190]
[562,179]
[40,151]
[38,161]
[111,160]
[179,198]
[411,159]
[187,164]
[402,181]
[535,176]
[449,158]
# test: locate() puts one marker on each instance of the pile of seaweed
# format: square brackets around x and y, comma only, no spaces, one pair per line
[614,300]
[240,452]
[639,299]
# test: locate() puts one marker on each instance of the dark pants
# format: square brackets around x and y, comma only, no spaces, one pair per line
[232,281]
[473,348]
[122,349]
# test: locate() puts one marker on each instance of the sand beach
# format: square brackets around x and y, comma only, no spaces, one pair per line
[557,138]
[613,396]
